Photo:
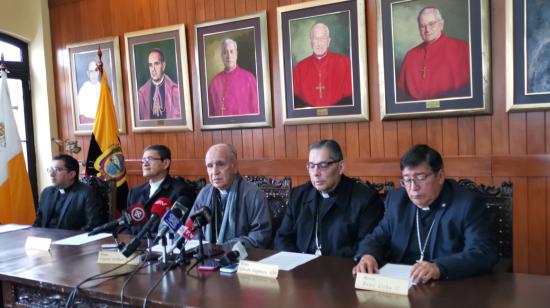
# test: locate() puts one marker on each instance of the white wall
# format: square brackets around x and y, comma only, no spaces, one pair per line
[29,20]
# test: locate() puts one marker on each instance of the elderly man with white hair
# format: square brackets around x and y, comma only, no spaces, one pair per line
[233,91]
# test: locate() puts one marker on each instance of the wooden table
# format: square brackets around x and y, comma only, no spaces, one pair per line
[325,282]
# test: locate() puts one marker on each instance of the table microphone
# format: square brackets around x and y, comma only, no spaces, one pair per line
[124,220]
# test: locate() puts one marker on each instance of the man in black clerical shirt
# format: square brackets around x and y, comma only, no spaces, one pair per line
[431,223]
[332,213]
[68,203]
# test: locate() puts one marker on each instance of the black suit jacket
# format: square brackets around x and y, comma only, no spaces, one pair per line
[355,213]
[81,210]
[172,188]
[460,242]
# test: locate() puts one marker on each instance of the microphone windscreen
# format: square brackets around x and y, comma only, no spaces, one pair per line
[161,206]
[137,214]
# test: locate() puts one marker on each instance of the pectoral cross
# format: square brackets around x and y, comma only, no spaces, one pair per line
[222,107]
[320,88]
[424,71]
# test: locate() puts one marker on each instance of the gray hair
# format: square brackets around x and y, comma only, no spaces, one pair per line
[227,41]
[430,9]
[322,25]
[335,152]
[230,149]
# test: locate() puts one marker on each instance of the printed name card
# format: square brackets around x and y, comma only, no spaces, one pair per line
[38,243]
[115,257]
[376,282]
[258,269]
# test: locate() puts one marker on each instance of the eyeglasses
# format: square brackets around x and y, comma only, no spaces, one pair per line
[55,169]
[418,179]
[322,165]
[148,159]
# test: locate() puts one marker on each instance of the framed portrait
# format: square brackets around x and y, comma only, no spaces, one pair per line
[527,55]
[85,81]
[433,58]
[158,79]
[323,62]
[232,64]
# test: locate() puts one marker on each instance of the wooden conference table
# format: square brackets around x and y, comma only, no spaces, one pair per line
[43,278]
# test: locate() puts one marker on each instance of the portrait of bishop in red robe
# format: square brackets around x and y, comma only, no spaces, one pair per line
[439,67]
[324,78]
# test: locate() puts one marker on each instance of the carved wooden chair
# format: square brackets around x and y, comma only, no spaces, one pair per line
[498,201]
[276,192]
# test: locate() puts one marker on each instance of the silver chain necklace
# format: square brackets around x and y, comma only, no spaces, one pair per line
[420,247]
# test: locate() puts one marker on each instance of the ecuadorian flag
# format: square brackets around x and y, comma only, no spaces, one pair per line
[16,200]
[105,158]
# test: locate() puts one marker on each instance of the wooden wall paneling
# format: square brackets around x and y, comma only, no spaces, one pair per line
[450,131]
[352,140]
[482,135]
[314,133]
[257,143]
[500,143]
[248,150]
[535,132]
[217,137]
[518,134]
[364,139]
[547,226]
[536,216]
[391,147]
[302,140]
[269,143]
[521,225]
[291,138]
[237,140]
[250,6]
[419,131]
[404,136]
[435,134]
[466,136]
[339,134]
[229,7]
[326,132]
[375,128]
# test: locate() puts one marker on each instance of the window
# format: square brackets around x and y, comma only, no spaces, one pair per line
[16,58]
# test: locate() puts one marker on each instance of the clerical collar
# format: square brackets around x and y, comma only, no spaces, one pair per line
[223,193]
[158,83]
[66,189]
[154,186]
[325,195]
[62,191]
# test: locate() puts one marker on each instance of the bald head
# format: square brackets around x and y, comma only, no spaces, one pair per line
[319,39]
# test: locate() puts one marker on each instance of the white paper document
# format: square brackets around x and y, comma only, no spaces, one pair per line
[288,260]
[12,227]
[399,271]
[81,239]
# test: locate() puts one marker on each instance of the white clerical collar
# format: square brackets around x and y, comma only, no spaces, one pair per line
[154,186]
[158,83]
[62,191]
[325,195]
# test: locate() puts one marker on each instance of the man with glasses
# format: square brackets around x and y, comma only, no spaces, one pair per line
[332,213]
[431,223]
[438,67]
[239,208]
[68,203]
[155,166]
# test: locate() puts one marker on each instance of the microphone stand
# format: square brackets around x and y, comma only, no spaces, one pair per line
[200,255]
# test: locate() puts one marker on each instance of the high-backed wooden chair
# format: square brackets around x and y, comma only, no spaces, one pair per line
[106,192]
[276,192]
[498,201]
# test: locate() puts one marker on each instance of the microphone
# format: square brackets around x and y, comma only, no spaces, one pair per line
[197,220]
[237,253]
[157,210]
[124,220]
[171,221]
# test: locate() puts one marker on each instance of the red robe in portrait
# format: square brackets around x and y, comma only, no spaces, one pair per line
[323,82]
[233,93]
[435,70]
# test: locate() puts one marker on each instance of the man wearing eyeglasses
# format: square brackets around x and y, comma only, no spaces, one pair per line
[332,213]
[68,203]
[431,223]
[155,166]
[240,212]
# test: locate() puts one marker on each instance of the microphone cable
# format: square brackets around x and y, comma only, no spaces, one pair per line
[154,286]
[72,296]
[132,274]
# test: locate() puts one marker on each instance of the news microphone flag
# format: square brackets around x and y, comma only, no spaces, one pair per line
[105,157]
[16,199]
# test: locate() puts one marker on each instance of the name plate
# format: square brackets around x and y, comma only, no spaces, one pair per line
[376,282]
[115,257]
[258,269]
[38,243]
